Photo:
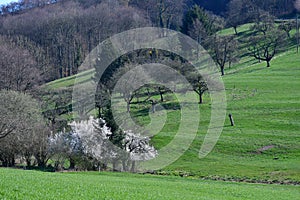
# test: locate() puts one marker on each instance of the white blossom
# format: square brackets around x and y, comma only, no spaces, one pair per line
[93,136]
[138,146]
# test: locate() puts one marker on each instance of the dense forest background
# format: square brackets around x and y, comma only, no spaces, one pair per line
[52,37]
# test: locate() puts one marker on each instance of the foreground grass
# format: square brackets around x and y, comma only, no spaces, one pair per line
[20,184]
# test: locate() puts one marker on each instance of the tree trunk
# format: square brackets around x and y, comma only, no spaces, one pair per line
[200,98]
[4,162]
[222,70]
[153,107]
[12,161]
[41,163]
[99,112]
[124,165]
[72,163]
[231,119]
[128,107]
[153,103]
[103,166]
[115,165]
[235,30]
[268,63]
[128,164]
[161,94]
[132,166]
[28,161]
[41,158]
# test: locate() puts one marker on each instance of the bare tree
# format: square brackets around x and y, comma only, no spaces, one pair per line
[277,8]
[164,13]
[126,82]
[197,31]
[21,123]
[297,5]
[18,68]
[239,12]
[223,49]
[264,22]
[266,46]
[287,26]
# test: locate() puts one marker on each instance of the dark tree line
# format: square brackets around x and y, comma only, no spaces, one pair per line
[19,66]
[66,32]
[245,11]
[60,33]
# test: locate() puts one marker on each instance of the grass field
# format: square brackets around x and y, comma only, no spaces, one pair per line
[20,184]
[265,104]
[264,146]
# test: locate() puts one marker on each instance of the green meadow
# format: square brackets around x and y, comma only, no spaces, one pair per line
[262,147]
[22,184]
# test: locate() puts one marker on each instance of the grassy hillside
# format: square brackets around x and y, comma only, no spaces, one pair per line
[20,184]
[264,145]
[70,81]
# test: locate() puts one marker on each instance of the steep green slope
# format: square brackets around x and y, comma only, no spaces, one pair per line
[264,145]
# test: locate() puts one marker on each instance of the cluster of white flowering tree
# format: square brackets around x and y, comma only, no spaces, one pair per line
[89,140]
[138,148]
[65,145]
[94,135]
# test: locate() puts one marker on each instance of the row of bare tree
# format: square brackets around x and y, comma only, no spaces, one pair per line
[67,30]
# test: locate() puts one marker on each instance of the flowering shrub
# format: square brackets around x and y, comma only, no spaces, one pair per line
[92,139]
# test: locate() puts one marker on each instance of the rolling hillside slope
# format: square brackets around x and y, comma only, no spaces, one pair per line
[264,146]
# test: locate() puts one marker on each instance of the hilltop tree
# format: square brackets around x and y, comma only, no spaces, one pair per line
[163,13]
[198,23]
[223,49]
[297,5]
[265,46]
[264,22]
[277,8]
[287,26]
[239,12]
